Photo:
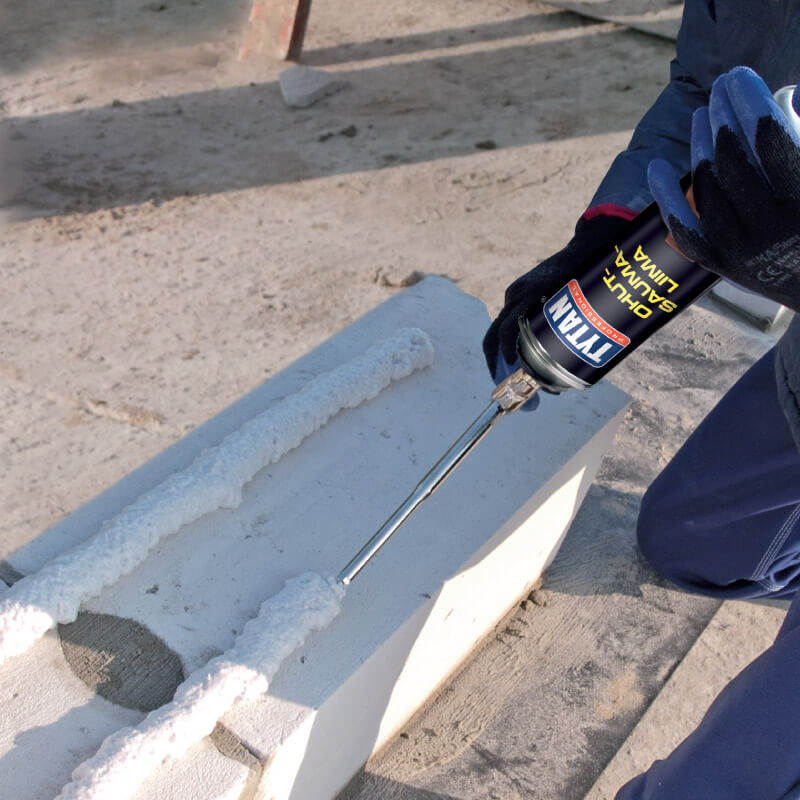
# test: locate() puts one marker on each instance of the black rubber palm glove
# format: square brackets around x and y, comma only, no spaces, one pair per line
[593,238]
[746,184]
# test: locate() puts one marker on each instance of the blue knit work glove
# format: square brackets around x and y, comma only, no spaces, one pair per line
[746,185]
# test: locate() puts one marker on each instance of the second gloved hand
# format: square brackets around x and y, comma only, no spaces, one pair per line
[746,185]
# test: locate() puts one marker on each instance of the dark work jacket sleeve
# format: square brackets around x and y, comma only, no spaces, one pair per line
[715,35]
[665,130]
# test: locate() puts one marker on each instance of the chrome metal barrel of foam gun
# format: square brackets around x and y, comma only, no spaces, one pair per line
[507,397]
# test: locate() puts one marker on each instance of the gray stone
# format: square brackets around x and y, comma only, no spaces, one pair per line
[301,86]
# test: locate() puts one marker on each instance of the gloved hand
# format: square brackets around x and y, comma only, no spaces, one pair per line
[746,184]
[593,237]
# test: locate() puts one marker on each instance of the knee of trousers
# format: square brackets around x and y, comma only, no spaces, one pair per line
[661,533]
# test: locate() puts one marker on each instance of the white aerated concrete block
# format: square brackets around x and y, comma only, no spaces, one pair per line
[301,86]
[416,612]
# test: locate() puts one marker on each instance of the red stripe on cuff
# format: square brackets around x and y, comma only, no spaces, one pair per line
[608,210]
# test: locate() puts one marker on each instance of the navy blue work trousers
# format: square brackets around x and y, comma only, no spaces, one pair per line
[723,519]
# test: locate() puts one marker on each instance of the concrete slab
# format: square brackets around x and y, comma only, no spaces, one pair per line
[414,614]
[657,17]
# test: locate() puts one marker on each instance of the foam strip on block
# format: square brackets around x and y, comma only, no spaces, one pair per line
[215,480]
[306,604]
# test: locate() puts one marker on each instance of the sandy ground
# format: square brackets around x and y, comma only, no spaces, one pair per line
[174,235]
[185,235]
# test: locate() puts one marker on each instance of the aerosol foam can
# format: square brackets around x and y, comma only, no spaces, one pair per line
[609,307]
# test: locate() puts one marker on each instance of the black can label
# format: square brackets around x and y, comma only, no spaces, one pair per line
[610,307]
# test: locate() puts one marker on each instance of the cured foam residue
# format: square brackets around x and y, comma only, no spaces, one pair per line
[307,603]
[214,480]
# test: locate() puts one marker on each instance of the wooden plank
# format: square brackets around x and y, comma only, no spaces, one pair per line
[276,28]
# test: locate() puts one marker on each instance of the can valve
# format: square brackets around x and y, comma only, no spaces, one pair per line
[515,391]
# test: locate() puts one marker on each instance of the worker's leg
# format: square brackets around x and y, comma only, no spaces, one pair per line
[746,746]
[723,518]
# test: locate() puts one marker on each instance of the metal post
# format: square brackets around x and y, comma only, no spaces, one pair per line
[295,46]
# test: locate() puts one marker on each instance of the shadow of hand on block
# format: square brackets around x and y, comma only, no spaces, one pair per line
[121,660]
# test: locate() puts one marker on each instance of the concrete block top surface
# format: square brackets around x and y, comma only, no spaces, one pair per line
[314,508]
[317,506]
